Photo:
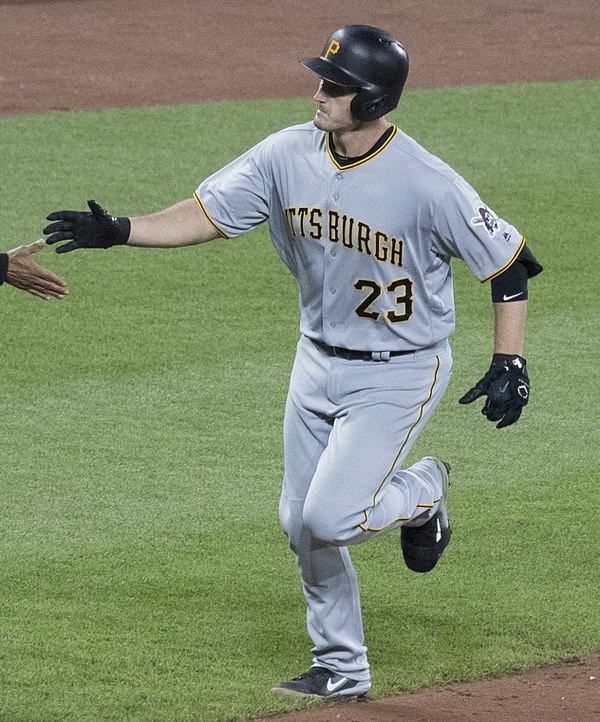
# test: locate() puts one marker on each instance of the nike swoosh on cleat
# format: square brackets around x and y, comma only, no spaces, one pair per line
[335,685]
[510,298]
[438,533]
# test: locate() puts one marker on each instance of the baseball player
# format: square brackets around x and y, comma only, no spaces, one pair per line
[368,222]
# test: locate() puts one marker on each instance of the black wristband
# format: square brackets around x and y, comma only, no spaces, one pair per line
[3,267]
[124,225]
[509,360]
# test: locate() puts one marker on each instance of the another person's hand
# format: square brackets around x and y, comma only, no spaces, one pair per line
[23,273]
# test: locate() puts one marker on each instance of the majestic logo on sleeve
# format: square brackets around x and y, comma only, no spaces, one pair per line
[488,219]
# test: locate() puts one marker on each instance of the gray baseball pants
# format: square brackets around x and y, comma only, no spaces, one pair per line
[349,424]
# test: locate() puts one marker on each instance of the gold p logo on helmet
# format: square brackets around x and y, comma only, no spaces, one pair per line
[332,49]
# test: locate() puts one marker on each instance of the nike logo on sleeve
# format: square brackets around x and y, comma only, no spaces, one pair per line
[510,298]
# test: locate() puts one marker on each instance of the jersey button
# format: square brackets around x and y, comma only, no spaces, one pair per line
[333,290]
[336,197]
[333,253]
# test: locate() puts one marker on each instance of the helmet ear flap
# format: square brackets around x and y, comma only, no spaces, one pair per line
[365,108]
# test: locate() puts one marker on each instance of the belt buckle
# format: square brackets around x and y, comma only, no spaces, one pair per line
[380,355]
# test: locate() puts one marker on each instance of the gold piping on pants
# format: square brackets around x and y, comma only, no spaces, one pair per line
[404,442]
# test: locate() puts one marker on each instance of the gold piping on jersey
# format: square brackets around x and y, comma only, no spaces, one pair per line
[362,160]
[404,442]
[506,265]
[210,220]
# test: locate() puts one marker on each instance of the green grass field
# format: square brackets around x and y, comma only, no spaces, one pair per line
[144,577]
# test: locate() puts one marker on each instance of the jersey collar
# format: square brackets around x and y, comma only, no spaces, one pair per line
[383,142]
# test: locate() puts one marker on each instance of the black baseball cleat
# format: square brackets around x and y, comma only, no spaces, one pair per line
[323,683]
[422,546]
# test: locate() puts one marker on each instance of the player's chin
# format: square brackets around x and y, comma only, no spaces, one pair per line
[321,121]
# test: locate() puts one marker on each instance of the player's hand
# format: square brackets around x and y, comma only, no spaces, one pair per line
[506,386]
[97,229]
[23,273]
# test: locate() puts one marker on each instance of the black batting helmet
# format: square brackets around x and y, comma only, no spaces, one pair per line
[366,58]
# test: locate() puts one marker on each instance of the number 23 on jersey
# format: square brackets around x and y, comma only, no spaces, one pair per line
[399,294]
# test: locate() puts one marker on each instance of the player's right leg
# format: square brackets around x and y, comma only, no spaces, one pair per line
[329,581]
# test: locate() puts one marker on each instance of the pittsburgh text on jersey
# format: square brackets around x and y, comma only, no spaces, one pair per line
[305,222]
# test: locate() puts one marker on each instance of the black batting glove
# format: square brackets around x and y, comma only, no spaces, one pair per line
[97,229]
[506,386]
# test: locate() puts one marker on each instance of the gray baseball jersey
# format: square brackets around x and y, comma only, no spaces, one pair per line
[372,259]
[370,244]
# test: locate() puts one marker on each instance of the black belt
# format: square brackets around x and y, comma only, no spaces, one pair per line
[359,355]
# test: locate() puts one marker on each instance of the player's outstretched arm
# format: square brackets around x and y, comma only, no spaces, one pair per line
[184,224]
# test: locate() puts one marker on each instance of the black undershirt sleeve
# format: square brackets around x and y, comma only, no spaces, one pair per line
[512,284]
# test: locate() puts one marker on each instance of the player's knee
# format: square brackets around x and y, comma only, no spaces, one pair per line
[325,523]
[290,517]
[285,515]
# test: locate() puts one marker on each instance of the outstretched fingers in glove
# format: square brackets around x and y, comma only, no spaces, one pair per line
[506,386]
[96,229]
[62,231]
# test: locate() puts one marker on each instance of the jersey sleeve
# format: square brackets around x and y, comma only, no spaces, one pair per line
[465,227]
[236,198]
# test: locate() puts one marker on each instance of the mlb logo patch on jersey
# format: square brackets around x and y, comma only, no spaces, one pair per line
[489,220]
